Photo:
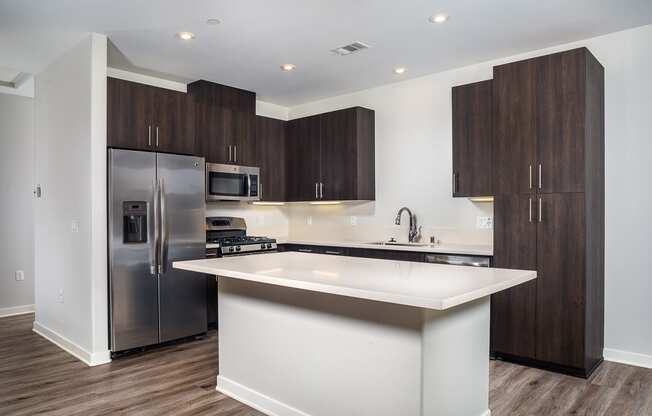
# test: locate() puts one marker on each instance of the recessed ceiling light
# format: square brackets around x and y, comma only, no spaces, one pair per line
[213,22]
[438,18]
[288,67]
[400,70]
[185,35]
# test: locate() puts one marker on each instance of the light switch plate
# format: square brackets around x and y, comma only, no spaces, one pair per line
[354,220]
[20,275]
[484,222]
[309,220]
[75,226]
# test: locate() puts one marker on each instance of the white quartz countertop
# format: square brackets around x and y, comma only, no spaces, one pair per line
[465,249]
[424,285]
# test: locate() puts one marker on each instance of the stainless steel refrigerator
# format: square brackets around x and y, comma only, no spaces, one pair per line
[156,216]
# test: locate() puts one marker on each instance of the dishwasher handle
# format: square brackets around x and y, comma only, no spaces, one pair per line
[458,260]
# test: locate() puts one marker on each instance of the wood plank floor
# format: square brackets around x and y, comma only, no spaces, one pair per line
[37,378]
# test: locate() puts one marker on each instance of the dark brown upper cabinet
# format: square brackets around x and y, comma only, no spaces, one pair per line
[143,117]
[225,123]
[331,156]
[514,152]
[348,155]
[549,210]
[561,121]
[541,120]
[303,159]
[472,139]
[270,147]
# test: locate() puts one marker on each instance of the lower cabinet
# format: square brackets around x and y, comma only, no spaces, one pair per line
[556,321]
[356,252]
[335,251]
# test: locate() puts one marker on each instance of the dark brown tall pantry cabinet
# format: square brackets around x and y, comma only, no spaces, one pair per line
[548,183]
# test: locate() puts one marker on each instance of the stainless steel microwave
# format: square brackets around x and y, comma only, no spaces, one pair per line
[232,183]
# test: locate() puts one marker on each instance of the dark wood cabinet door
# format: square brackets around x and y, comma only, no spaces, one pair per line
[175,123]
[244,139]
[339,152]
[387,254]
[472,139]
[303,159]
[560,121]
[130,123]
[513,310]
[270,149]
[225,123]
[514,152]
[561,279]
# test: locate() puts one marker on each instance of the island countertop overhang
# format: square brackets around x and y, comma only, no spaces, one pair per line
[423,285]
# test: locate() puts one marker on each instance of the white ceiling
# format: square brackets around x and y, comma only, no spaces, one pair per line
[256,36]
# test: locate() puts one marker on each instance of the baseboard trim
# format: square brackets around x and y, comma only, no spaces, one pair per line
[88,358]
[626,357]
[16,310]
[254,399]
[263,403]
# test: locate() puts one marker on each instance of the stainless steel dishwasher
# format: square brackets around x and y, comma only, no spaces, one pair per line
[459,260]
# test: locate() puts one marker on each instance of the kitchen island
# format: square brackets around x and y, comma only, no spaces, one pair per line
[309,334]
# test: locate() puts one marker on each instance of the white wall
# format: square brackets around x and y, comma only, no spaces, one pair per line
[16,218]
[70,220]
[413,141]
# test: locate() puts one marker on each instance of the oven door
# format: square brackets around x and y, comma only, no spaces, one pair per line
[231,183]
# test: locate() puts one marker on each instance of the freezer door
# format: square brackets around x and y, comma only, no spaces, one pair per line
[182,294]
[133,292]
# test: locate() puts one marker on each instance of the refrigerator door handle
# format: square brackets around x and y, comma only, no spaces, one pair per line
[164,229]
[152,230]
[157,226]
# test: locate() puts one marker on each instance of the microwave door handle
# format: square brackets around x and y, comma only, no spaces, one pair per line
[249,185]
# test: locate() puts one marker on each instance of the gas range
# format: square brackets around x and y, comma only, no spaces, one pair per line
[227,236]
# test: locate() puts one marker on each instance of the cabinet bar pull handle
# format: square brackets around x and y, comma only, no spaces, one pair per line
[156,136]
[321,190]
[316,190]
[530,199]
[455,182]
[149,135]
[540,180]
[530,176]
[540,210]
[230,154]
[305,250]
[260,191]
[333,252]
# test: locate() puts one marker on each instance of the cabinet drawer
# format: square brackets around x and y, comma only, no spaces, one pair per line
[334,251]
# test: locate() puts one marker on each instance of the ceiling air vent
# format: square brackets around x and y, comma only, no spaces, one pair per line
[349,49]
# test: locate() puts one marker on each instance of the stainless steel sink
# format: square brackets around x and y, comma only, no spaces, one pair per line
[394,243]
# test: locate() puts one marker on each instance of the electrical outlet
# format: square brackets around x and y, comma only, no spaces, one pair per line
[309,220]
[60,296]
[354,220]
[75,226]
[20,275]
[484,222]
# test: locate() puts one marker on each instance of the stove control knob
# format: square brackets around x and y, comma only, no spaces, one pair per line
[230,249]
[262,246]
[238,248]
[269,245]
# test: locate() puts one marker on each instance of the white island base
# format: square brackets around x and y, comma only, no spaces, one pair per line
[291,352]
